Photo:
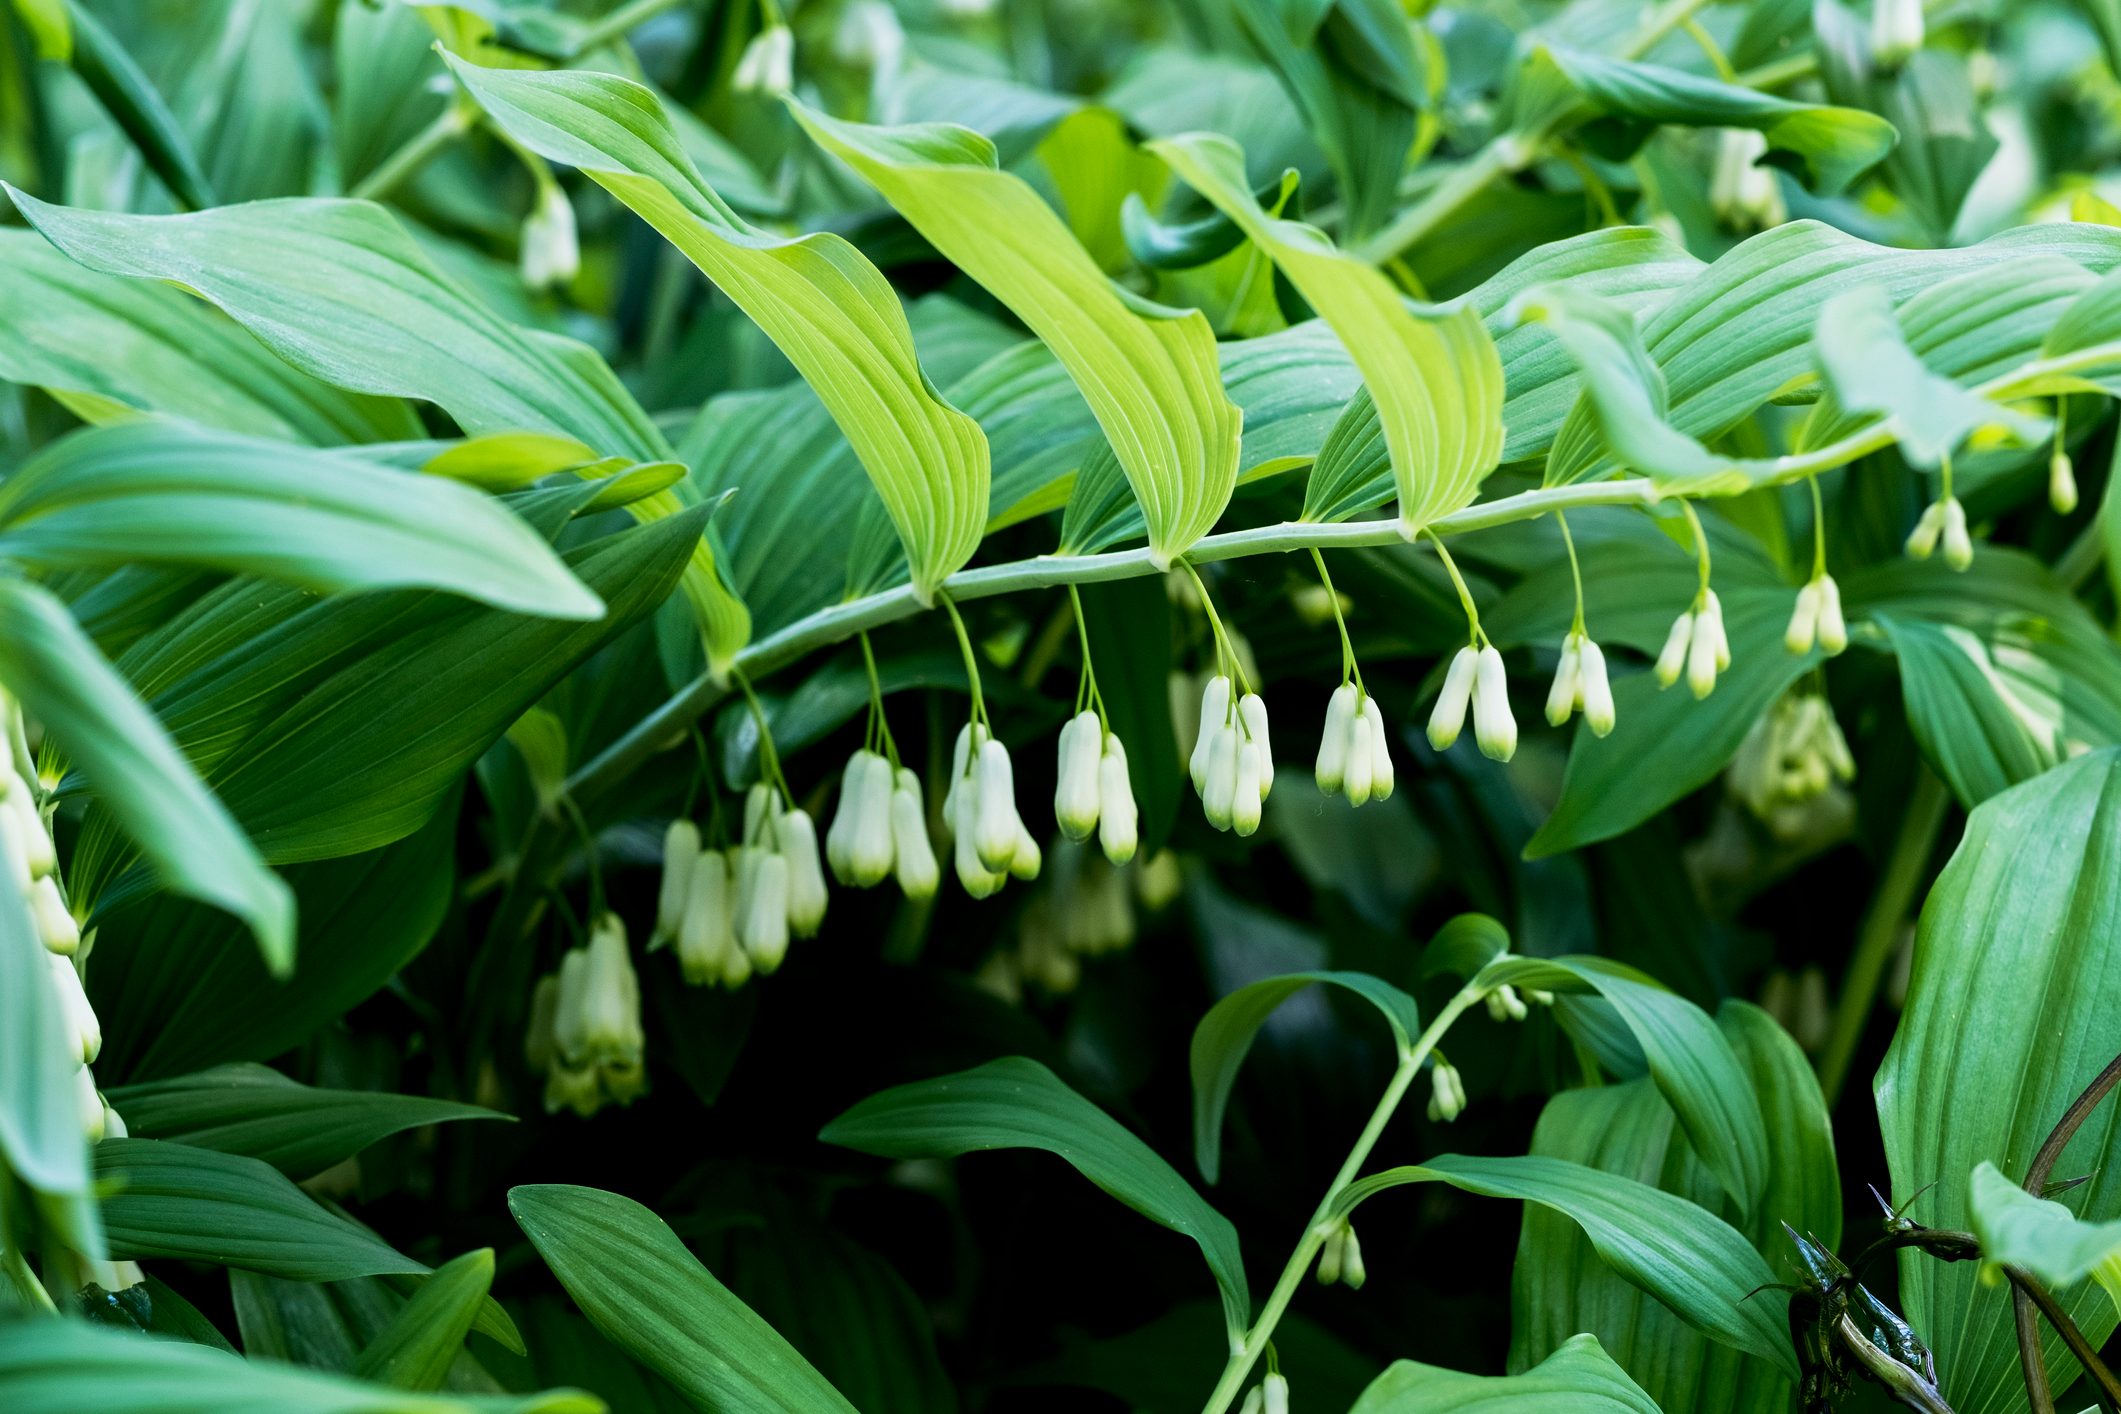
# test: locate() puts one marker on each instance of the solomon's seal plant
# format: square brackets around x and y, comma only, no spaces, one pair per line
[538,539]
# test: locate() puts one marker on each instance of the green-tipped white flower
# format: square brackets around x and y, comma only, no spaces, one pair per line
[1379,750]
[979,881]
[996,827]
[56,927]
[1075,789]
[1922,540]
[1334,741]
[1352,1272]
[1117,818]
[762,917]
[913,858]
[89,1105]
[707,935]
[964,766]
[871,847]
[1896,31]
[1595,690]
[1255,1401]
[1447,1092]
[1505,1005]
[1329,1256]
[796,836]
[1448,718]
[1359,775]
[1567,691]
[1803,631]
[84,1032]
[1026,860]
[768,63]
[1958,545]
[839,836]
[1697,638]
[596,1027]
[1743,195]
[681,849]
[759,809]
[1671,659]
[611,1002]
[37,857]
[550,254]
[1214,716]
[1252,724]
[1275,1388]
[1251,785]
[2061,483]
[1218,797]
[1816,617]
[1493,727]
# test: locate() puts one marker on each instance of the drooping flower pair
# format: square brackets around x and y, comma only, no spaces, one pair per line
[881,829]
[1232,766]
[1942,520]
[731,913]
[585,1032]
[1475,676]
[1092,790]
[1354,757]
[1816,618]
[1697,646]
[989,841]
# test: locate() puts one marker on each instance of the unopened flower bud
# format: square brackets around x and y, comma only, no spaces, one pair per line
[611,1000]
[84,1032]
[1359,776]
[1493,726]
[1804,620]
[1276,1390]
[1896,31]
[38,856]
[1117,819]
[1379,750]
[1596,690]
[1743,195]
[1561,697]
[1352,1272]
[707,935]
[681,847]
[2061,483]
[1214,715]
[1329,1256]
[1255,1400]
[1219,798]
[1447,1093]
[1671,659]
[796,835]
[1333,741]
[1026,859]
[1448,718]
[1251,785]
[996,827]
[1922,540]
[839,837]
[762,927]
[1075,789]
[978,880]
[870,847]
[913,856]
[56,927]
[768,63]
[1505,1005]
[114,1128]
[1958,545]
[550,253]
[1252,719]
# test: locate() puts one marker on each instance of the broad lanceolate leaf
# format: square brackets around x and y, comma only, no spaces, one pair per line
[339,290]
[1680,1253]
[152,492]
[1015,1103]
[637,1284]
[258,1112]
[1578,1378]
[817,297]
[2041,1236]
[139,776]
[1225,1034]
[1692,1063]
[1148,372]
[64,1367]
[417,1348]
[2009,1015]
[1828,147]
[196,1205]
[1434,374]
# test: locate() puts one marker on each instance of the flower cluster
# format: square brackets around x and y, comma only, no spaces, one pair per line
[990,843]
[1083,908]
[1475,676]
[1580,685]
[1697,646]
[1943,520]
[585,1025]
[1354,759]
[881,828]
[1233,759]
[1447,1092]
[1792,756]
[1340,1258]
[1092,790]
[1817,618]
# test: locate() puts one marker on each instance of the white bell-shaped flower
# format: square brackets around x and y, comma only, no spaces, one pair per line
[1709,652]
[84,1032]
[996,827]
[839,836]
[913,857]
[1027,859]
[795,835]
[1833,629]
[1252,721]
[1447,1092]
[1803,631]
[767,65]
[1493,727]
[1671,659]
[1359,774]
[56,927]
[760,806]
[1250,787]
[871,848]
[1075,790]
[964,765]
[550,253]
[1219,793]
[1379,751]
[1922,540]
[88,1104]
[681,848]
[707,935]
[1743,195]
[1214,716]
[1958,544]
[1336,738]
[1567,690]
[1448,718]
[1275,1387]
[763,925]
[1117,818]
[1596,690]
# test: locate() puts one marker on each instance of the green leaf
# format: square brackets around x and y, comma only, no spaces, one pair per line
[1827,147]
[140,778]
[195,1205]
[1433,373]
[1680,1253]
[63,1367]
[2009,1015]
[1694,1066]
[146,492]
[1016,1103]
[51,31]
[1224,1036]
[1578,1378]
[1463,946]
[637,1284]
[1972,728]
[258,1112]
[2040,1236]
[137,108]
[1148,372]
[157,349]
[417,1348]
[818,298]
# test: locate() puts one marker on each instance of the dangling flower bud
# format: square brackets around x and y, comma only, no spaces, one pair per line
[1804,620]
[914,858]
[870,847]
[964,762]
[1276,1389]
[1255,1401]
[1359,775]
[1251,785]
[1214,715]
[1567,690]
[56,927]
[1449,717]
[611,1003]
[1028,859]
[1493,726]
[84,1031]
[681,848]
[1595,691]
[839,838]
[1329,1256]
[550,254]
[1710,652]
[768,63]
[1075,789]
[978,880]
[1252,718]
[759,804]
[1958,545]
[762,926]
[1447,1093]
[795,834]
[1743,195]
[38,857]
[1219,799]
[1333,741]
[2061,483]
[1896,31]
[1923,538]
[596,1027]
[707,935]
[1671,659]
[1379,750]
[1116,815]
[996,827]
[1505,1005]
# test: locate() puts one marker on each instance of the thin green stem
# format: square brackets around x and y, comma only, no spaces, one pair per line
[1905,870]
[769,756]
[1088,686]
[589,854]
[876,701]
[449,125]
[1465,596]
[1349,668]
[1575,570]
[1818,529]
[1261,1335]
[617,23]
[1226,653]
[1706,43]
[1701,541]
[964,644]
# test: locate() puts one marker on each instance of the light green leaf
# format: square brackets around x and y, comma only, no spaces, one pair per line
[140,778]
[1971,725]
[2040,1236]
[2009,1015]
[1149,373]
[1225,1035]
[150,492]
[137,108]
[258,1112]
[64,1367]
[818,298]
[1015,1103]
[1680,1253]
[1578,1378]
[417,1348]
[1433,373]
[637,1284]
[49,28]
[196,1205]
